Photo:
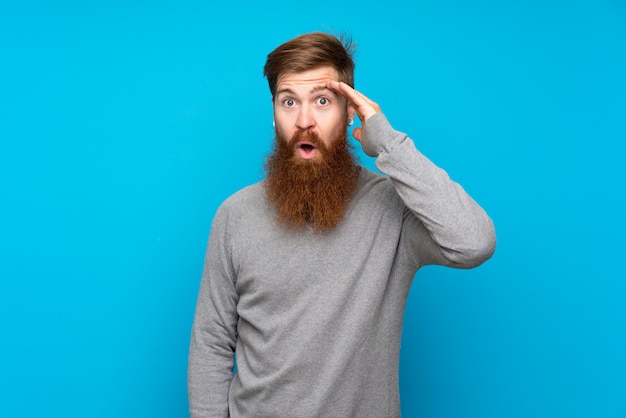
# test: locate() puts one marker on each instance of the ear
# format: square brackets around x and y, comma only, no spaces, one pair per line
[351,112]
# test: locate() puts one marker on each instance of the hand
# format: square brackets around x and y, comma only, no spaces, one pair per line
[363,106]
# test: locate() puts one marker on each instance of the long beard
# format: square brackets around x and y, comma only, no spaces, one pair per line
[315,192]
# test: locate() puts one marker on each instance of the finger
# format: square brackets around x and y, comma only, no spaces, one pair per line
[355,98]
[364,106]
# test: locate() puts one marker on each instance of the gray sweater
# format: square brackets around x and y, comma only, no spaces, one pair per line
[316,319]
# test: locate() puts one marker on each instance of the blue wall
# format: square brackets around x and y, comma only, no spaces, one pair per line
[123,125]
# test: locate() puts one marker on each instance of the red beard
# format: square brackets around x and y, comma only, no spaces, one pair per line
[314,192]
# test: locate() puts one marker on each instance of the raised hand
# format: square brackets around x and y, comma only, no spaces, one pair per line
[363,106]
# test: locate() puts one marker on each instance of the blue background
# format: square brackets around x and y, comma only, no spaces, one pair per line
[123,126]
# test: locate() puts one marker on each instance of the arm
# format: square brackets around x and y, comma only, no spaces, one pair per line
[461,233]
[214,335]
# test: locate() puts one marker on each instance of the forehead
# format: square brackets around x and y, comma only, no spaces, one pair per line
[307,79]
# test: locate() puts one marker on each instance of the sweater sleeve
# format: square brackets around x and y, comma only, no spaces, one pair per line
[213,337]
[460,233]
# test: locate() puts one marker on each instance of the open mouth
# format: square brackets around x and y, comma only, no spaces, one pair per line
[306,150]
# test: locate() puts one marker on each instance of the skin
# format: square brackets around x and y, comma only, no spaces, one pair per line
[316,101]
[364,107]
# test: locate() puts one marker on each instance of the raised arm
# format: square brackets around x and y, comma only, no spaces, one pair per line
[462,233]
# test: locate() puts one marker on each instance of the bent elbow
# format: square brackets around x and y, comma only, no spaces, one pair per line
[482,252]
[476,251]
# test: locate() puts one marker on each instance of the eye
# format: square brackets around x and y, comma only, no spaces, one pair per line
[289,102]
[323,101]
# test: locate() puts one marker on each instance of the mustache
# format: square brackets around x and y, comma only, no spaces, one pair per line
[306,136]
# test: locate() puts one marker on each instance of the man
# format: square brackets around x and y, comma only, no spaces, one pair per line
[307,273]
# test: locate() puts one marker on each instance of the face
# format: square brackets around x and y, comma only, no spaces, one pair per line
[303,103]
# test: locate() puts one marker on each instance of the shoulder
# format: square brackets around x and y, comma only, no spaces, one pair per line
[368,178]
[250,195]
[371,182]
[377,190]
[242,203]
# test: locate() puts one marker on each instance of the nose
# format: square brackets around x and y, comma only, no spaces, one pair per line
[305,119]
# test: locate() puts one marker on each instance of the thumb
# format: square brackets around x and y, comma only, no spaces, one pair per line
[357,133]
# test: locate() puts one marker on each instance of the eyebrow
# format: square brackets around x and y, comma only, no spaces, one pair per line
[313,90]
[284,90]
[318,88]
